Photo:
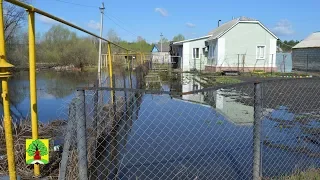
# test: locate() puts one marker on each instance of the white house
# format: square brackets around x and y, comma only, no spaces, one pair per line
[161,53]
[242,44]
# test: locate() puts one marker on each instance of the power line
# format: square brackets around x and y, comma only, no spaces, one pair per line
[77,4]
[120,25]
[109,16]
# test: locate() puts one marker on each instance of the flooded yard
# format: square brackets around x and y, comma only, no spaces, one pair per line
[207,134]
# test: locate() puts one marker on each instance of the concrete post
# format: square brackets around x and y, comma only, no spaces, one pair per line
[67,141]
[81,136]
[257,131]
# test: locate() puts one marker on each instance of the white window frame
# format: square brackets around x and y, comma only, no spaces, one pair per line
[194,55]
[264,52]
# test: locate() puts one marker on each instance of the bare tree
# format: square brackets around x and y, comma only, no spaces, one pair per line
[14,17]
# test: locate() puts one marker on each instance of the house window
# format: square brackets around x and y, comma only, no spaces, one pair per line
[261,52]
[196,53]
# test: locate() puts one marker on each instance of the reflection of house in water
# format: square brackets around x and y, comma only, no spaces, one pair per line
[225,101]
[226,104]
[185,82]
[191,83]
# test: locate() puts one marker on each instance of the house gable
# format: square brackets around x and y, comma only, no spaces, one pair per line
[248,22]
[225,28]
[155,49]
[243,42]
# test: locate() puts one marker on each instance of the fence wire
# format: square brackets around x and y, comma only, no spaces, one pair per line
[227,133]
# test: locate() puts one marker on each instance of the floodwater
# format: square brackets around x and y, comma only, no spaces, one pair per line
[206,135]
[210,136]
[55,90]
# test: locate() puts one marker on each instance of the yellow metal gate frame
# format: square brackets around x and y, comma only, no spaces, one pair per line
[5,74]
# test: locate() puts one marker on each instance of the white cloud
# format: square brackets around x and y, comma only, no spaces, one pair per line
[162,11]
[190,25]
[94,25]
[46,20]
[283,28]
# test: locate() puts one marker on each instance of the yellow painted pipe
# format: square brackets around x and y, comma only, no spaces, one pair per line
[33,83]
[4,75]
[8,130]
[128,61]
[110,71]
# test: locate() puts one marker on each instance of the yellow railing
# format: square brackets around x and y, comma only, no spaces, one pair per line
[5,74]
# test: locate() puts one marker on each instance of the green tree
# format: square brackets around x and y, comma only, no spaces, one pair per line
[286,46]
[61,46]
[37,146]
[178,37]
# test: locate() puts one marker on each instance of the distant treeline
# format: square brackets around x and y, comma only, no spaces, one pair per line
[286,46]
[60,45]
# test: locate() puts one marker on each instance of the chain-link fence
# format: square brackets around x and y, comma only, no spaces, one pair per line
[244,131]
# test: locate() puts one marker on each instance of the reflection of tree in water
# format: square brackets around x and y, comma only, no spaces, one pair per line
[62,84]
[18,91]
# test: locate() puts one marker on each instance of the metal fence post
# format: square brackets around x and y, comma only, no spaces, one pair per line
[243,59]
[200,64]
[284,63]
[110,67]
[271,64]
[307,62]
[81,136]
[238,63]
[67,140]
[257,131]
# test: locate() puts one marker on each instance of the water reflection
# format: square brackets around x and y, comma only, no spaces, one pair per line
[54,89]
[225,101]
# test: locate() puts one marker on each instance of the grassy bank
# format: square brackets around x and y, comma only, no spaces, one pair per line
[312,174]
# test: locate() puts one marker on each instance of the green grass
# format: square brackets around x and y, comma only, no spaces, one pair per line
[227,80]
[90,68]
[260,73]
[312,174]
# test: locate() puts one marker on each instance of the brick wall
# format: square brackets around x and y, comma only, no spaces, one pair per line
[306,59]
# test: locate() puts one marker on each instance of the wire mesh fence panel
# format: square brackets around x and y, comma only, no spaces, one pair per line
[291,127]
[242,131]
[138,135]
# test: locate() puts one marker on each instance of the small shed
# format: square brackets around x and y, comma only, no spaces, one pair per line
[161,53]
[306,54]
